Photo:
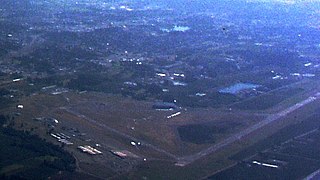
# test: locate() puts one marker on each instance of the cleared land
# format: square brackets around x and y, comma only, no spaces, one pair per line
[113,123]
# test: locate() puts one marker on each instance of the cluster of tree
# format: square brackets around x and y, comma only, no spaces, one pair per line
[29,156]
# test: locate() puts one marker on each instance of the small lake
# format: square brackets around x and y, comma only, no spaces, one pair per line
[234,89]
[177,29]
[181,28]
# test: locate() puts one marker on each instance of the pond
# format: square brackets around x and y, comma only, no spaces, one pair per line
[234,89]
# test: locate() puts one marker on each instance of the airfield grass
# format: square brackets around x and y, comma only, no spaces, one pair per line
[279,98]
[213,163]
[43,105]
[49,105]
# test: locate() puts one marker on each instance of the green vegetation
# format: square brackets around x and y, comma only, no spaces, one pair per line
[268,100]
[5,101]
[26,156]
[204,133]
[279,137]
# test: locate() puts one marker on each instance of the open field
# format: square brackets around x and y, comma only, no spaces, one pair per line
[223,158]
[138,121]
[291,152]
[102,121]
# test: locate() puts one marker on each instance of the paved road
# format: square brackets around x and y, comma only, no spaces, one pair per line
[185,160]
[130,138]
[271,118]
[314,176]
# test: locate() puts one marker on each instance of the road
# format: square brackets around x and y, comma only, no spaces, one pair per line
[185,160]
[314,176]
[182,161]
[119,133]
